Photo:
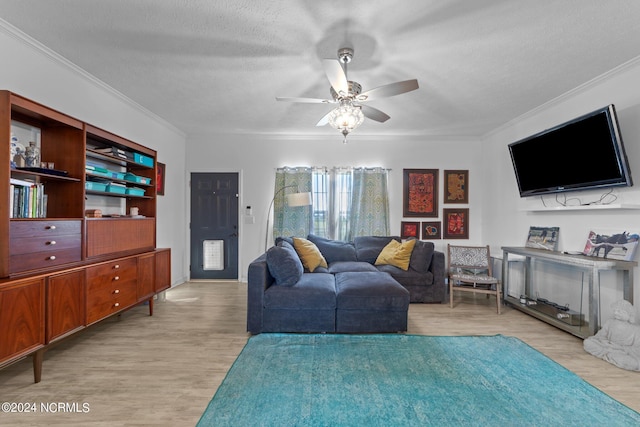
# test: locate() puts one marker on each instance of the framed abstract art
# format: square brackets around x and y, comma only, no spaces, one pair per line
[409,229]
[431,230]
[420,193]
[456,186]
[160,179]
[455,223]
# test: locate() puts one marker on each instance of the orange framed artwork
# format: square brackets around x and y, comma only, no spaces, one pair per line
[456,186]
[420,193]
[409,229]
[456,223]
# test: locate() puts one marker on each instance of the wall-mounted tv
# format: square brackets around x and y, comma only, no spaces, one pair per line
[581,154]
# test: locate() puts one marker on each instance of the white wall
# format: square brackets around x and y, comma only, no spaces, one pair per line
[33,71]
[507,217]
[256,159]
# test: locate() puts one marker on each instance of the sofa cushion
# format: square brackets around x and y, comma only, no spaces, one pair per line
[309,254]
[314,291]
[408,277]
[334,250]
[279,240]
[284,264]
[396,254]
[421,256]
[369,290]
[342,266]
[369,247]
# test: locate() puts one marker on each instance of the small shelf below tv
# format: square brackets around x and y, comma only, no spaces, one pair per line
[612,206]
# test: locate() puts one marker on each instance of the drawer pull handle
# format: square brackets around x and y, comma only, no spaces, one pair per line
[116,266]
[117,291]
[116,278]
[51,227]
[116,304]
[53,242]
[51,258]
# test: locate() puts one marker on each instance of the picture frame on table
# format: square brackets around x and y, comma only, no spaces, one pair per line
[455,223]
[431,230]
[420,193]
[456,186]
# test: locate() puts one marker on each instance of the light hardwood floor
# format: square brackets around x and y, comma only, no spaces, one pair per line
[137,370]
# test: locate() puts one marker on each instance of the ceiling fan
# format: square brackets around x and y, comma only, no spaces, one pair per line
[351,111]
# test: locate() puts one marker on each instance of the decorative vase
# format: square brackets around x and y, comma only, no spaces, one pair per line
[17,152]
[32,155]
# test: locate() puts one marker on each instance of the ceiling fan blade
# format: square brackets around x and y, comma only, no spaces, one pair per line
[374,114]
[391,89]
[324,120]
[305,100]
[336,76]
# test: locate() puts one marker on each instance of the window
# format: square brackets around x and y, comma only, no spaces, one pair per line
[341,214]
[346,202]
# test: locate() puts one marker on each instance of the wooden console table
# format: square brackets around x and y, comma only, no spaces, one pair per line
[591,266]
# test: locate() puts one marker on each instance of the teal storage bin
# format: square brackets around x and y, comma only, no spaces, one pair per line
[143,160]
[117,175]
[96,186]
[135,191]
[137,179]
[116,188]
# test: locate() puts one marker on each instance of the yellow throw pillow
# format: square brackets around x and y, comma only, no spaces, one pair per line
[397,254]
[309,254]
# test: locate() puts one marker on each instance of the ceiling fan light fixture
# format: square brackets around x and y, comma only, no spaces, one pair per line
[346,118]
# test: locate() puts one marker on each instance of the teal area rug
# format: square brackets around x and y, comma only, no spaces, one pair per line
[404,380]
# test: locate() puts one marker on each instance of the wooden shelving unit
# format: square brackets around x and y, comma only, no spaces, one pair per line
[60,271]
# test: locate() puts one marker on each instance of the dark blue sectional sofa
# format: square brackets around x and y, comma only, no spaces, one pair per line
[351,295]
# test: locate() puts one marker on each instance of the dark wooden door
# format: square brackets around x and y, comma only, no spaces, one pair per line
[214,226]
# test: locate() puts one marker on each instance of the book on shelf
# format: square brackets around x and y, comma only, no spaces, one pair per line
[27,199]
[113,151]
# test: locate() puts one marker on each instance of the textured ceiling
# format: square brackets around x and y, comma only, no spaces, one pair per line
[211,67]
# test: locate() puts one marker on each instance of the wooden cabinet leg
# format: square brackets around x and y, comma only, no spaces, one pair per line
[38,357]
[151,306]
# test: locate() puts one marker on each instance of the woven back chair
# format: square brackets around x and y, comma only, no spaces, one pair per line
[469,270]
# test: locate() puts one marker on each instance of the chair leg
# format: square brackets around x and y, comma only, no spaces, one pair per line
[450,294]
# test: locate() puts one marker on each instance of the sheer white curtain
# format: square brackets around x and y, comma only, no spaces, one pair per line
[350,202]
[291,221]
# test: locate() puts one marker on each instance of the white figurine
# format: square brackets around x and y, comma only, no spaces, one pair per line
[618,342]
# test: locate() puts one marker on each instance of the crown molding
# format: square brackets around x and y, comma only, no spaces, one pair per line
[53,56]
[635,62]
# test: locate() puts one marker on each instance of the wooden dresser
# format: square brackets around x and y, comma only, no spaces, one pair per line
[60,271]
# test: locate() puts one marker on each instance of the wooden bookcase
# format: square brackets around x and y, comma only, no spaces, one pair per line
[61,271]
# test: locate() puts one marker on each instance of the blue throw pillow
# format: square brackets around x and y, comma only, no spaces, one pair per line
[334,250]
[284,264]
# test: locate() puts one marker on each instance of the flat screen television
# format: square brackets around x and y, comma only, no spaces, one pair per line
[581,154]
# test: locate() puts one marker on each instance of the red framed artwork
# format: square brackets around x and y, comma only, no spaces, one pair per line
[456,223]
[432,230]
[456,186]
[409,229]
[420,193]
[160,179]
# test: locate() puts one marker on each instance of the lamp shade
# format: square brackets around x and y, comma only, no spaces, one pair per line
[298,199]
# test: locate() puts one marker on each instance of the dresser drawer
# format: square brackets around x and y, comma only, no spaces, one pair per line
[107,273]
[111,287]
[43,228]
[44,259]
[103,301]
[28,245]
